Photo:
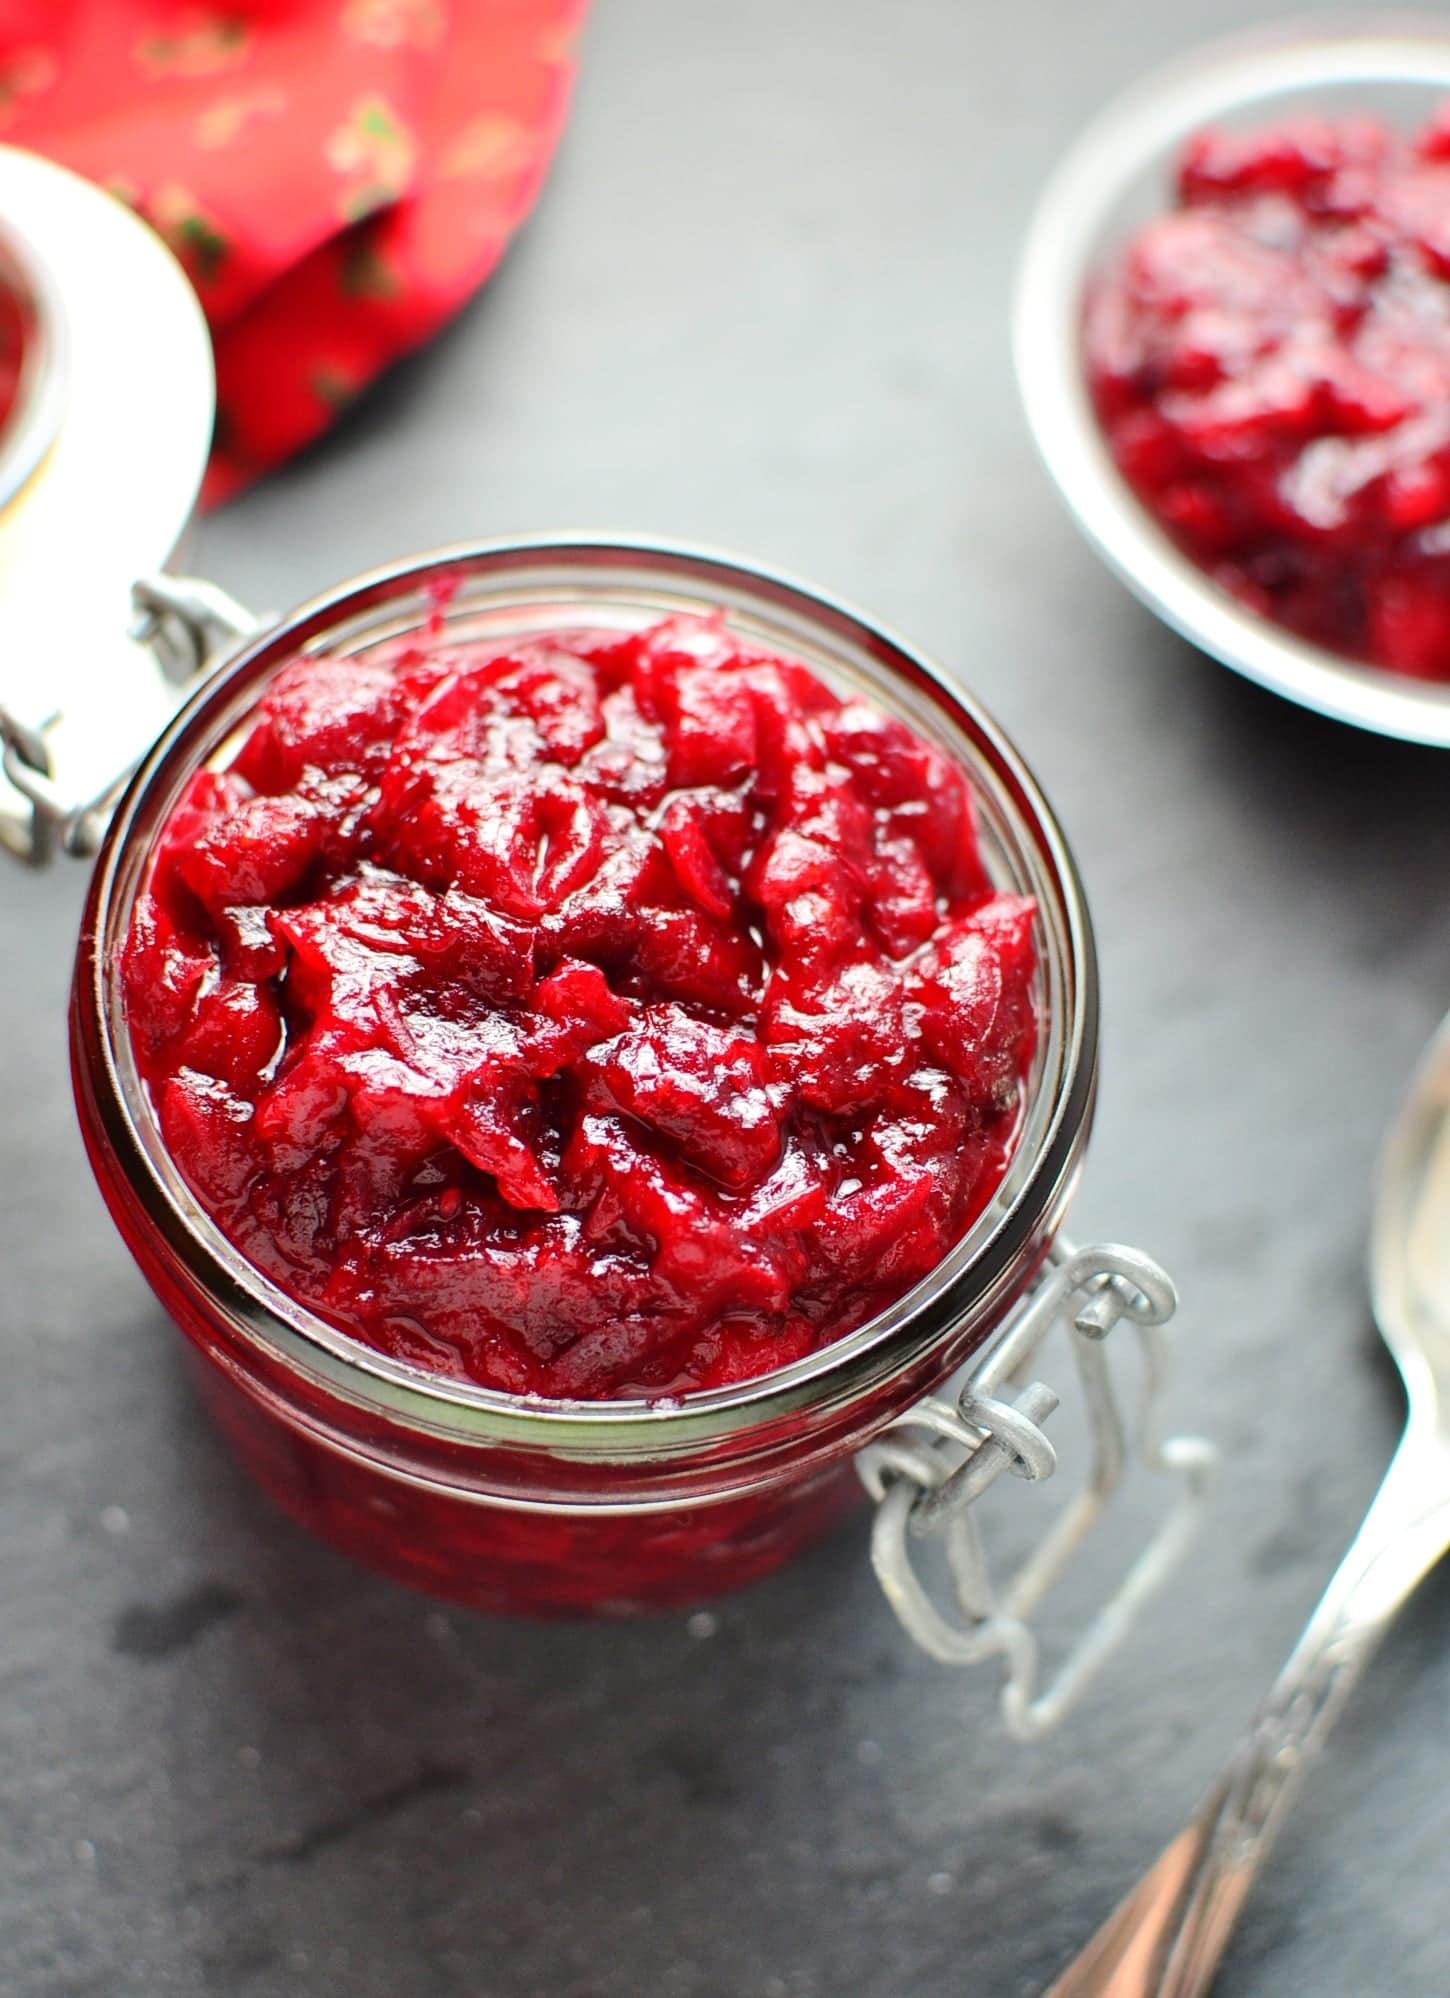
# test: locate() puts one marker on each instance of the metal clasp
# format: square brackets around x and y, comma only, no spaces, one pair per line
[191,626]
[927,1471]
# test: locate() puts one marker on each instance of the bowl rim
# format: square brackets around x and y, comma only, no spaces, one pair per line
[984,1269]
[1136,130]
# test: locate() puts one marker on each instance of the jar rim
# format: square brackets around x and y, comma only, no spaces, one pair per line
[580,570]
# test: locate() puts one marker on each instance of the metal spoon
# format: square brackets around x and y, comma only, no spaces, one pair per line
[1167,1938]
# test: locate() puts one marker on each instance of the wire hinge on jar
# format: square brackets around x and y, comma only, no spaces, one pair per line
[928,1469]
[191,625]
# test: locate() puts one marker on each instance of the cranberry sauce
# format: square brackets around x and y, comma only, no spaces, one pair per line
[606,1015]
[1271,366]
[13,335]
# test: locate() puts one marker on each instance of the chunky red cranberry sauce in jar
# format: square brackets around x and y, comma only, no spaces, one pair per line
[611,1015]
[1271,365]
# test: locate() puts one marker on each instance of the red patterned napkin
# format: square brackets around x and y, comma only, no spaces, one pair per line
[337,176]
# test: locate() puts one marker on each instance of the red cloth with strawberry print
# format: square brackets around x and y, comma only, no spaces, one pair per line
[337,176]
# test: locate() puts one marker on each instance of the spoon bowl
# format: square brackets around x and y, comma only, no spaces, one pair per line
[1410,1244]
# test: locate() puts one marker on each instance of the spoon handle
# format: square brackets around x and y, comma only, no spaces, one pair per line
[1166,1938]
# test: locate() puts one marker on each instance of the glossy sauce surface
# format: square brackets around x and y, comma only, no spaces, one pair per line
[1271,366]
[605,1015]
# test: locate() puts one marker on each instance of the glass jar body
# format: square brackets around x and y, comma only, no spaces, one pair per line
[466,1546]
[575,1507]
[519,1530]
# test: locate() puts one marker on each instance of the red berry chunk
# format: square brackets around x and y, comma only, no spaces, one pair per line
[1271,365]
[617,1015]
[702,1086]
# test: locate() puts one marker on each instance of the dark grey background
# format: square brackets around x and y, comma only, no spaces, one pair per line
[764,304]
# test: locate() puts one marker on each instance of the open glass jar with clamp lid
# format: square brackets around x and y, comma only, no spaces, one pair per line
[722,1271]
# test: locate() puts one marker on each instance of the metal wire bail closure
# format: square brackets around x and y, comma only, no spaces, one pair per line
[191,626]
[927,1470]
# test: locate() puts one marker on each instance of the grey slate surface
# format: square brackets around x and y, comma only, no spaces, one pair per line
[763,304]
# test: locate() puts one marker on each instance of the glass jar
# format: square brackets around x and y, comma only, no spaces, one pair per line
[33,363]
[101,457]
[537,1505]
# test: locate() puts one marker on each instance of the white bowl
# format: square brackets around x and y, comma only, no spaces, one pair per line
[1114,179]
